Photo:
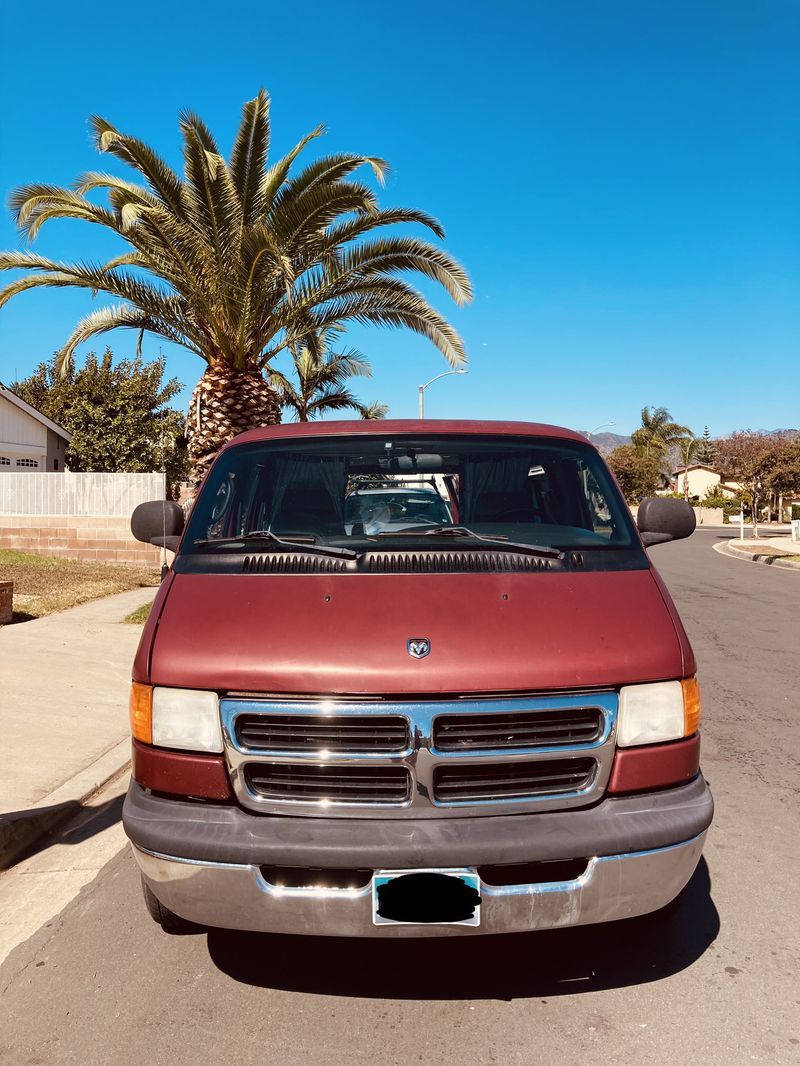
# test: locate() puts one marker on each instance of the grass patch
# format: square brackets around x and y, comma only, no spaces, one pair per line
[139,616]
[44,585]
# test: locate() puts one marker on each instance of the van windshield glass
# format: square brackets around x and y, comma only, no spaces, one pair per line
[376,492]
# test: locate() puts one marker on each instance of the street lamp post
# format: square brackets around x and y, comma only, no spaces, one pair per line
[422,388]
[602,426]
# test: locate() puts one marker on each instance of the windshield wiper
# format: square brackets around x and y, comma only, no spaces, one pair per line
[462,531]
[287,545]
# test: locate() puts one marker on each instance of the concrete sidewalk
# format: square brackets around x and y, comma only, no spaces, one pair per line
[63,713]
[780,551]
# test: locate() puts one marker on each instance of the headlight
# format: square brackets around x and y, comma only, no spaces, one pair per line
[663,710]
[186,718]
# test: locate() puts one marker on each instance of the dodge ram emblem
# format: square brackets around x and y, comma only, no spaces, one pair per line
[418,647]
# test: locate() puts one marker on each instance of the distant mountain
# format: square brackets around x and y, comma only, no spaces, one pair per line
[606,442]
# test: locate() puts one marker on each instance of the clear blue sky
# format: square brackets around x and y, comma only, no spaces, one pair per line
[619,177]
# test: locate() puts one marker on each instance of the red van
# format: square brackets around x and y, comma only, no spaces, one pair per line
[485,721]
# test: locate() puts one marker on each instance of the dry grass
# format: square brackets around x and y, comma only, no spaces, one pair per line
[43,585]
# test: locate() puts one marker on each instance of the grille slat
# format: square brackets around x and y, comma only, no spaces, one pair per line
[519,730]
[502,781]
[336,784]
[360,734]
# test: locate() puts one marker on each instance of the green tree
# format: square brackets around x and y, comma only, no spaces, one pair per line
[639,474]
[118,414]
[322,378]
[782,473]
[748,458]
[238,260]
[658,433]
[706,452]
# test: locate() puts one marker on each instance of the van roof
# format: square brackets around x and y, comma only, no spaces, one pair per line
[406,426]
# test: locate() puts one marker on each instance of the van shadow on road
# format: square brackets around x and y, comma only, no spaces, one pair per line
[553,963]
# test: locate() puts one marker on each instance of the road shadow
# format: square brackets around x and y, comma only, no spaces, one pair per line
[26,833]
[525,965]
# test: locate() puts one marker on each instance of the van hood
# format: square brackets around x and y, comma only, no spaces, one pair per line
[348,634]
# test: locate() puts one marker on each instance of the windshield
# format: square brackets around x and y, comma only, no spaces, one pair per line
[377,492]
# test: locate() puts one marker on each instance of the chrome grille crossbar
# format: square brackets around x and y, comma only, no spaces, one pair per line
[557,749]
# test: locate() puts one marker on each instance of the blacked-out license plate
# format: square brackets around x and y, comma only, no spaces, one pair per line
[426,897]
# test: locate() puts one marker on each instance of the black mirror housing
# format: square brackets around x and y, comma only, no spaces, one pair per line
[661,519]
[158,521]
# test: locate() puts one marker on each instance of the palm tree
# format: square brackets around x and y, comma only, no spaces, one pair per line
[322,377]
[689,447]
[238,261]
[658,432]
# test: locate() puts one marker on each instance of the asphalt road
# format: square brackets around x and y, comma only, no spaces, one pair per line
[716,982]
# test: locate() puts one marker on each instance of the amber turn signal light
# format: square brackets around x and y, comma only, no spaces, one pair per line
[141,712]
[691,706]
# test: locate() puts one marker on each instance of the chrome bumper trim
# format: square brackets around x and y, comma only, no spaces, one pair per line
[236,896]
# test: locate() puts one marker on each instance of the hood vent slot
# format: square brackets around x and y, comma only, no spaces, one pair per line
[459,562]
[292,563]
[398,562]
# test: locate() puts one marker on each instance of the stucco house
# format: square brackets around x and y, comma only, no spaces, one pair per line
[29,440]
[702,478]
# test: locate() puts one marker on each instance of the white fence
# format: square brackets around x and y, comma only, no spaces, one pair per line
[78,494]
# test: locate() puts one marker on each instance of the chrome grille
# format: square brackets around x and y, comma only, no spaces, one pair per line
[514,780]
[328,784]
[322,732]
[456,732]
[363,757]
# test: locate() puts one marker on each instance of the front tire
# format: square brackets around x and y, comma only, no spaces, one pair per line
[169,921]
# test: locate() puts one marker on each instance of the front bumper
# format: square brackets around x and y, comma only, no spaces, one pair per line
[238,897]
[204,862]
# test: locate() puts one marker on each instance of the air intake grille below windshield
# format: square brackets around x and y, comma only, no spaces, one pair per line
[291,563]
[454,562]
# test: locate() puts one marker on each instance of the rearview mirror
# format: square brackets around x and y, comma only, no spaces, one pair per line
[661,519]
[158,522]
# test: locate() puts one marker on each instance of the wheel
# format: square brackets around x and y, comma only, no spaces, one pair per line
[167,919]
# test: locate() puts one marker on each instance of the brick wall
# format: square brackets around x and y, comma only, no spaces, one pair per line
[100,539]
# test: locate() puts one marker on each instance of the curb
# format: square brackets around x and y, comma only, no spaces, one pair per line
[19,830]
[754,557]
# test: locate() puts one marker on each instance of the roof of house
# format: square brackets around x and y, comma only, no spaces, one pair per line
[694,466]
[17,401]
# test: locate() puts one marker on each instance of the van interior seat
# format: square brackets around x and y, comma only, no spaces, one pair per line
[494,506]
[308,508]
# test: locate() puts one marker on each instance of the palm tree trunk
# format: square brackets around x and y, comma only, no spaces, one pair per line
[225,402]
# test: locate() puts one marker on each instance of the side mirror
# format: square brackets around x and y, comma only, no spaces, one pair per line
[660,520]
[159,522]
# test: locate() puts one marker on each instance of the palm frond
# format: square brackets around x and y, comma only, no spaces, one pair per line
[249,156]
[373,411]
[33,205]
[161,178]
[277,175]
[120,317]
